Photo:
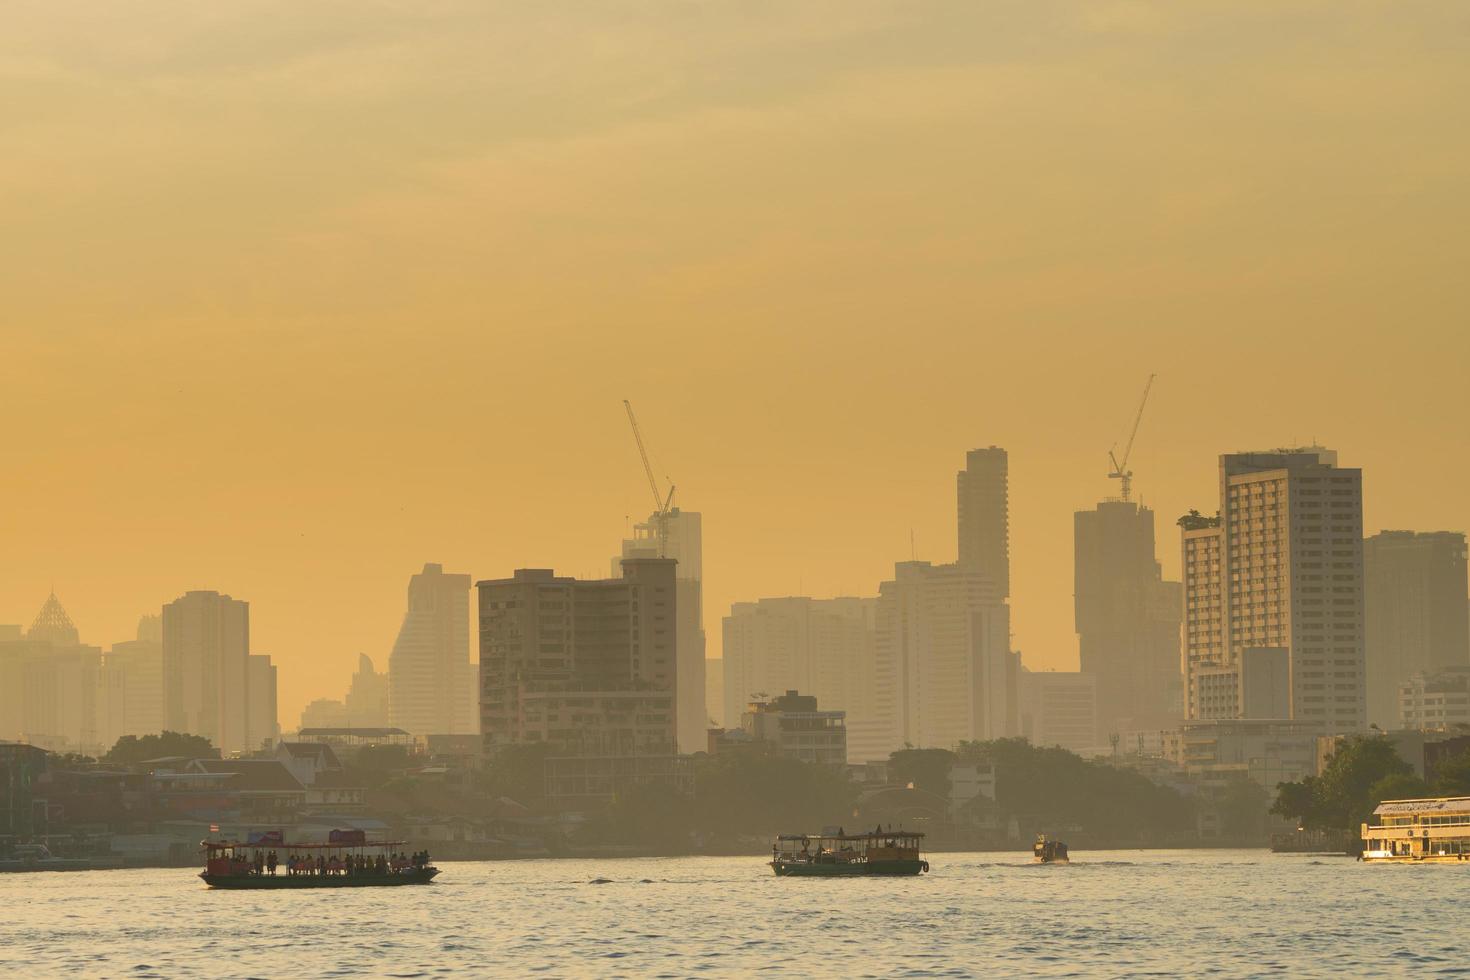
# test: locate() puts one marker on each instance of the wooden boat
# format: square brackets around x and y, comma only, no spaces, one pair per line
[840,855]
[1430,831]
[1049,851]
[347,860]
[38,857]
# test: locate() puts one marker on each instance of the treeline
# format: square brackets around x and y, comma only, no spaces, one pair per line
[1362,773]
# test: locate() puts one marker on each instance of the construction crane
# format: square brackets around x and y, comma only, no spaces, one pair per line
[1120,469]
[661,504]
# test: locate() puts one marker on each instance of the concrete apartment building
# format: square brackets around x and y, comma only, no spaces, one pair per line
[588,666]
[1283,569]
[821,646]
[1435,701]
[1418,617]
[798,728]
[1127,618]
[684,542]
[431,681]
[206,669]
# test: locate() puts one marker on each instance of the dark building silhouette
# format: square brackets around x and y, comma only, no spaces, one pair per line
[1127,618]
[984,523]
[1418,617]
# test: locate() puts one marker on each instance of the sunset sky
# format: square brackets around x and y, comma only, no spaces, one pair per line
[297,297]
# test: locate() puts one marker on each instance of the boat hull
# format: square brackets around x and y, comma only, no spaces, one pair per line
[320,881]
[856,869]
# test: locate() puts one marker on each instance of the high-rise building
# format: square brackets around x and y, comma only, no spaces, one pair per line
[1435,700]
[1127,618]
[138,666]
[367,697]
[1059,708]
[943,668]
[683,539]
[52,686]
[263,728]
[984,516]
[822,646]
[587,666]
[206,669]
[1418,617]
[1282,568]
[431,682]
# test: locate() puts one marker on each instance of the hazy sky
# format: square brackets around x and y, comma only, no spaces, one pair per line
[298,296]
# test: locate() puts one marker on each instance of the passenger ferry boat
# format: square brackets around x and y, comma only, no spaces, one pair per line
[1049,851]
[347,860]
[1412,831]
[893,852]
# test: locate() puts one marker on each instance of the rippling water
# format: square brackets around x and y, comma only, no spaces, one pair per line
[1114,913]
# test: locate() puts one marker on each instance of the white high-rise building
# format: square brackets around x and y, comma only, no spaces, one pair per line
[820,646]
[943,668]
[431,681]
[684,543]
[1282,569]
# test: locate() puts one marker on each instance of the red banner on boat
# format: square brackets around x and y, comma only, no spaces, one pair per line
[266,837]
[347,838]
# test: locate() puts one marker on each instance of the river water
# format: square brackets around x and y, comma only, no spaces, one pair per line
[1110,913]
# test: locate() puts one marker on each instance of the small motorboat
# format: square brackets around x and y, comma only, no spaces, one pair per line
[1049,851]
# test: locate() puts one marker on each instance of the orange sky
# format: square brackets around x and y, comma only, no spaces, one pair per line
[295,300]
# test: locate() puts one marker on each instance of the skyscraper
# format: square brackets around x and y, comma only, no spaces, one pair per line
[367,697]
[683,542]
[1127,618]
[1418,616]
[984,521]
[588,667]
[821,646]
[943,668]
[50,684]
[263,726]
[139,665]
[431,682]
[1284,569]
[206,673]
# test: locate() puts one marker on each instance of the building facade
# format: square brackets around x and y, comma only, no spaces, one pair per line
[794,725]
[1283,569]
[1060,708]
[1418,617]
[431,681]
[1127,618]
[206,668]
[1435,701]
[683,541]
[822,646]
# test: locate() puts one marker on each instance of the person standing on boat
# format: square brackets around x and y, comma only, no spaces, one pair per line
[270,862]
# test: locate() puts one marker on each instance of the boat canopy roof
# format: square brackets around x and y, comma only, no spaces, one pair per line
[1443,804]
[885,835]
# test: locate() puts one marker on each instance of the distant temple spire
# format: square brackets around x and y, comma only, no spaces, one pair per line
[54,625]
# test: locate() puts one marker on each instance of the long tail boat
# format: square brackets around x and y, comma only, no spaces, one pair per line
[347,860]
[893,852]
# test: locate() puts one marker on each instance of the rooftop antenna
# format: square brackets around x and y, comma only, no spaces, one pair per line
[1120,470]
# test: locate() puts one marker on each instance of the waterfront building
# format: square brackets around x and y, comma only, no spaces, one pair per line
[1282,567]
[1435,701]
[431,681]
[983,511]
[794,725]
[1268,752]
[206,669]
[1127,618]
[682,540]
[1418,617]
[21,768]
[943,668]
[585,665]
[1060,708]
[822,646]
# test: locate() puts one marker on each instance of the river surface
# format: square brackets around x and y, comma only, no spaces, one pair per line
[1110,913]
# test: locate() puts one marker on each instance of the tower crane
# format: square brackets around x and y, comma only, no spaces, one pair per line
[661,504]
[1120,469]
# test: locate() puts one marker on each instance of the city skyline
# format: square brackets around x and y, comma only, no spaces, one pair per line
[305,679]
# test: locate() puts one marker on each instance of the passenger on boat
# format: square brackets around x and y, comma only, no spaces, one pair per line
[270,862]
[321,864]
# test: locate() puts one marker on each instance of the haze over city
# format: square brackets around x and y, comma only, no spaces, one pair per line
[292,309]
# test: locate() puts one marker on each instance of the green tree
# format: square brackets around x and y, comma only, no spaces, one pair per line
[131,749]
[927,769]
[1344,794]
[1399,786]
[1242,805]
[1452,775]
